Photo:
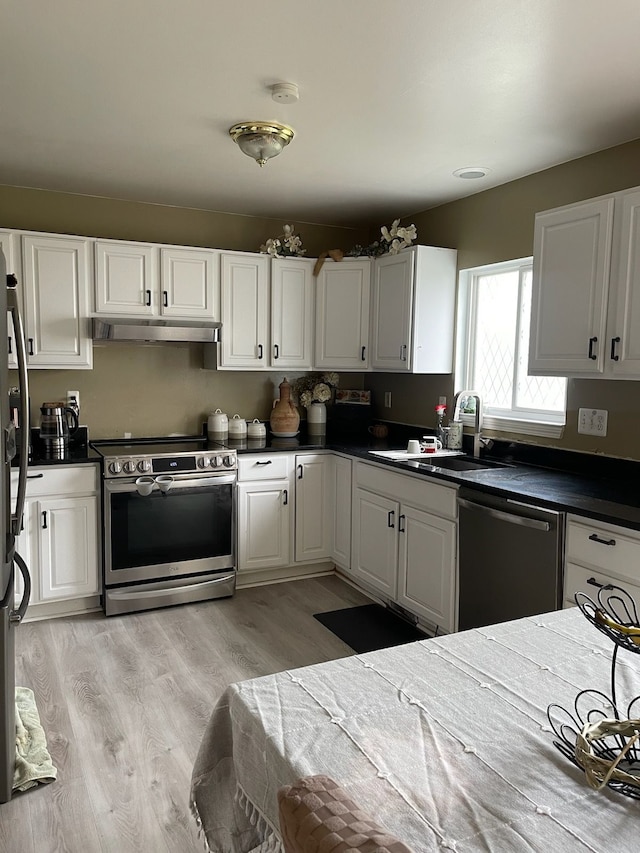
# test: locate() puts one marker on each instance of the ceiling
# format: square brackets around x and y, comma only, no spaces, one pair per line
[133,99]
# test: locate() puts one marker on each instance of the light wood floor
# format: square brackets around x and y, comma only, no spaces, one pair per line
[124,702]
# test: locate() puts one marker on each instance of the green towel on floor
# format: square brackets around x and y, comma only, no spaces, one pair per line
[33,762]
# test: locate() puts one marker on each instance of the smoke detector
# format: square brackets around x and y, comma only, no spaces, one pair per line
[285,93]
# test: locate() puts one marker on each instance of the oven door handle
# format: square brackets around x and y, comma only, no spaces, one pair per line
[187,483]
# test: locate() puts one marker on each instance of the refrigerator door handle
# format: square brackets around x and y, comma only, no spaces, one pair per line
[23,383]
[18,615]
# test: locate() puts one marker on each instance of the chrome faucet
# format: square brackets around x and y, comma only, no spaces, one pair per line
[460,399]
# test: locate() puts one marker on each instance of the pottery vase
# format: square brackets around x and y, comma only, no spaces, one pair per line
[284,420]
[316,418]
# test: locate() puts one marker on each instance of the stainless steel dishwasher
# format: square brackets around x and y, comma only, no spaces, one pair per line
[510,559]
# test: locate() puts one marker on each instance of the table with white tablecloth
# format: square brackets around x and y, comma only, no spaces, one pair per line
[444,741]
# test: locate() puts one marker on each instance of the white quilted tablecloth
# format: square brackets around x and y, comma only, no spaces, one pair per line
[445,742]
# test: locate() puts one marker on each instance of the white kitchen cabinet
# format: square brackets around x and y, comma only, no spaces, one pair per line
[265,518]
[413,310]
[343,291]
[292,312]
[404,542]
[149,280]
[59,540]
[55,293]
[313,524]
[245,311]
[340,509]
[8,244]
[598,553]
[585,315]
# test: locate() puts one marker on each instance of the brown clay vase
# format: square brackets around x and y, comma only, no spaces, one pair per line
[284,420]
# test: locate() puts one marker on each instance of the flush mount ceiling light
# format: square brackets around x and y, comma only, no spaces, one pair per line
[471,173]
[261,140]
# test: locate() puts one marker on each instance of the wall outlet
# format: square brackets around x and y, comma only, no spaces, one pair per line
[71,395]
[387,399]
[442,401]
[592,422]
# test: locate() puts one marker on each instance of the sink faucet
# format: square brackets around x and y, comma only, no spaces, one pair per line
[460,399]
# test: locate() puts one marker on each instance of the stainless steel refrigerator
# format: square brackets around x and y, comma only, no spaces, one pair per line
[11,510]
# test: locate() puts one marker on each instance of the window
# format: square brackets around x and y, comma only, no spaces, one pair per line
[492,349]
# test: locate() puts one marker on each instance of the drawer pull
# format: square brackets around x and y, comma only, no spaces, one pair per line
[266,462]
[595,538]
[594,582]
[34,476]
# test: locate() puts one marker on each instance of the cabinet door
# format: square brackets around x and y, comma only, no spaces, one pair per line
[393,278]
[571,266]
[426,566]
[341,511]
[313,508]
[244,286]
[126,278]
[27,547]
[68,547]
[56,300]
[374,558]
[11,253]
[342,315]
[189,283]
[263,524]
[291,313]
[623,352]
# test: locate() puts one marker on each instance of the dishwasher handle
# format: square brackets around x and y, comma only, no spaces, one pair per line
[498,514]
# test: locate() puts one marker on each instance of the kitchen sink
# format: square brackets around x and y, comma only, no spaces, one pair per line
[462,463]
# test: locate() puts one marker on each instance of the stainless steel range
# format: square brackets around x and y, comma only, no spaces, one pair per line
[169,523]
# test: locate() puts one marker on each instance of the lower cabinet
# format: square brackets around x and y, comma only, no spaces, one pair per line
[59,540]
[596,554]
[404,542]
[285,514]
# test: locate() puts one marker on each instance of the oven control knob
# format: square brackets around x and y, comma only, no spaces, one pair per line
[115,467]
[216,461]
[129,467]
[203,462]
[144,465]
[228,461]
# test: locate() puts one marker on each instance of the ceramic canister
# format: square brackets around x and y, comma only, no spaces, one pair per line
[237,427]
[217,424]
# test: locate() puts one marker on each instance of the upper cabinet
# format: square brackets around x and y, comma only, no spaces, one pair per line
[245,311]
[585,313]
[142,279]
[292,313]
[413,310]
[55,291]
[343,293]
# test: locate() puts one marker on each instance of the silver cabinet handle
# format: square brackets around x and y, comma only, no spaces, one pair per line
[535,523]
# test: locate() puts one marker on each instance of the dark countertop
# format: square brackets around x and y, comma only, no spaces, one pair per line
[594,486]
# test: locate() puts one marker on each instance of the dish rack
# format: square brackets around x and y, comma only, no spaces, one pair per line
[601,734]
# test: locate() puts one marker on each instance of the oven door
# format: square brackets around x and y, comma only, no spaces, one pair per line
[187,530]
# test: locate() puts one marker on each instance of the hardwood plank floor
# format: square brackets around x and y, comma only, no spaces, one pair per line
[124,702]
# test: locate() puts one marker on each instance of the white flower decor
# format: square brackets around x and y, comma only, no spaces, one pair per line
[284,246]
[315,387]
[392,241]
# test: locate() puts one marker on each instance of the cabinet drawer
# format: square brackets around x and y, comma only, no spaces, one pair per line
[608,548]
[417,491]
[70,480]
[576,579]
[264,466]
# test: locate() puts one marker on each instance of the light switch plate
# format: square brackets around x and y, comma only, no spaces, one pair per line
[387,399]
[592,422]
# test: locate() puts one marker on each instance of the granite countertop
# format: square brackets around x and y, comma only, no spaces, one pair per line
[594,486]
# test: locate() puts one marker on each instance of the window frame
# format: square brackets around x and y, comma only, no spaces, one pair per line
[527,421]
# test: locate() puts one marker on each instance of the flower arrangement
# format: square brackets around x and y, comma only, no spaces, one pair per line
[315,387]
[392,240]
[285,245]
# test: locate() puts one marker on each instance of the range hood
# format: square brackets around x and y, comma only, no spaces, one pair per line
[155,329]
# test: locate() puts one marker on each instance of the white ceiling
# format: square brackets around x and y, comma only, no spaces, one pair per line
[133,99]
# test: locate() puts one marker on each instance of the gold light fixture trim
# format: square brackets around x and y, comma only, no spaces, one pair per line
[261,140]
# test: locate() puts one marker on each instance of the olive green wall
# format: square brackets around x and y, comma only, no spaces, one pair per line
[155,389]
[497,225]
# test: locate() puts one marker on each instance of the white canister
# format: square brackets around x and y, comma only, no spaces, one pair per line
[316,418]
[256,429]
[237,427]
[217,424]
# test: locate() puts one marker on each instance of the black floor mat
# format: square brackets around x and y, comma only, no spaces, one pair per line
[369,627]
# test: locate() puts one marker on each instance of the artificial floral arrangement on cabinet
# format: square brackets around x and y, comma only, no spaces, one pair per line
[285,245]
[315,388]
[392,240]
